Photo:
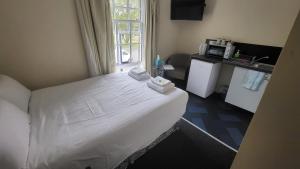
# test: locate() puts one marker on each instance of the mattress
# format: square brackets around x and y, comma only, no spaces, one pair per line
[98,122]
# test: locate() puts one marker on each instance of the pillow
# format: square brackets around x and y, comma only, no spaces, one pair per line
[14,92]
[14,136]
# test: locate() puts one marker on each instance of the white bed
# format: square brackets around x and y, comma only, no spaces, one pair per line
[98,122]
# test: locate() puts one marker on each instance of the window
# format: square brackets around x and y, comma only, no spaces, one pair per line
[128,30]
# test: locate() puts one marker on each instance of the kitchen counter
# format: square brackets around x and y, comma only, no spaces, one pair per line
[257,66]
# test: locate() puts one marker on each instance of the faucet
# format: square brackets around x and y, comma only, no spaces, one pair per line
[253,60]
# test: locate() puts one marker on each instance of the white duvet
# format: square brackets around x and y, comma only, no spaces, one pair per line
[98,122]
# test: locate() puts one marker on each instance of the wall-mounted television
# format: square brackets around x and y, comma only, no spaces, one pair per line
[187,9]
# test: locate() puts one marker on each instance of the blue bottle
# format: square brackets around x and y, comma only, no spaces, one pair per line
[157,61]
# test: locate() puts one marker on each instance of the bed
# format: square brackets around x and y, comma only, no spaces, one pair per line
[98,122]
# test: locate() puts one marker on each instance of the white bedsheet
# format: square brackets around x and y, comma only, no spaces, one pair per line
[98,122]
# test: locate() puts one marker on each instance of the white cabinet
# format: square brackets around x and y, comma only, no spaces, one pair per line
[242,97]
[203,77]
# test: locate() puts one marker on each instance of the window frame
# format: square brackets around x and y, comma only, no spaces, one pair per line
[118,34]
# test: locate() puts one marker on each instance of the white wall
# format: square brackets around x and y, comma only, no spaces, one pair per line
[167,30]
[40,42]
[265,22]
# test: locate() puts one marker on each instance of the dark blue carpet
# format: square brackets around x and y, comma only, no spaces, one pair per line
[186,148]
[222,120]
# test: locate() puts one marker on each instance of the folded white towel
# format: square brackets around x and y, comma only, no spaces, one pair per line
[160,81]
[137,71]
[160,89]
[141,77]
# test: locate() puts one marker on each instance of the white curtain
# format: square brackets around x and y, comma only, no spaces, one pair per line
[97,33]
[150,29]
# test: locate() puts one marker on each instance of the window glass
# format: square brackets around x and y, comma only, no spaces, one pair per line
[128,23]
[134,3]
[125,53]
[135,38]
[122,3]
[136,52]
[123,27]
[135,27]
[120,13]
[125,38]
[134,14]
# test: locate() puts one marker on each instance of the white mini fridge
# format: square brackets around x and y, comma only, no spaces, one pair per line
[203,77]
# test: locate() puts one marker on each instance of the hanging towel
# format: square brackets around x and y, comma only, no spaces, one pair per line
[253,79]
[161,89]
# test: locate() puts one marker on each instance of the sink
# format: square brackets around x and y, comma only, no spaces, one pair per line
[248,64]
[263,66]
[240,61]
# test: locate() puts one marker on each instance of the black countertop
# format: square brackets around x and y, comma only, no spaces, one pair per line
[261,68]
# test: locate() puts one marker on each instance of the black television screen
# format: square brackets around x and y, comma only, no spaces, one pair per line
[187,9]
